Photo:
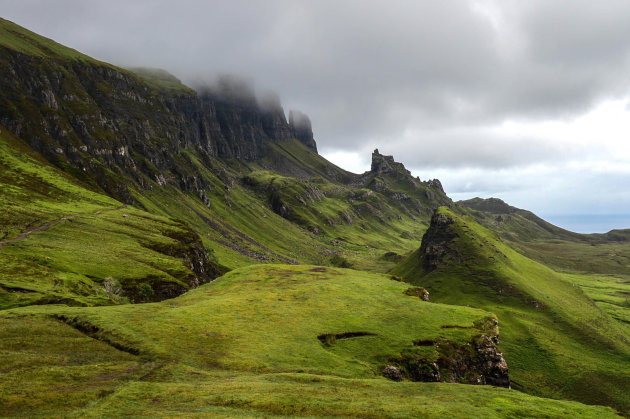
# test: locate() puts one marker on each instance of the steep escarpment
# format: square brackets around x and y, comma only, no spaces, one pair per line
[112,127]
[222,159]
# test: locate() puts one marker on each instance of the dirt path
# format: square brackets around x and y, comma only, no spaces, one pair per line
[49,224]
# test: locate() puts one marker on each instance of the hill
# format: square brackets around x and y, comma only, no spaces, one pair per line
[148,141]
[62,243]
[555,338]
[268,340]
[607,253]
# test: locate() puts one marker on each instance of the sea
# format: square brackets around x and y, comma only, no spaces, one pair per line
[589,223]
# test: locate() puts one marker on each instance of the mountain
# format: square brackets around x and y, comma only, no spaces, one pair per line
[221,160]
[555,338]
[607,253]
[521,225]
[174,251]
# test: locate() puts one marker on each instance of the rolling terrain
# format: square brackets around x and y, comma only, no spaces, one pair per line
[556,339]
[250,344]
[186,252]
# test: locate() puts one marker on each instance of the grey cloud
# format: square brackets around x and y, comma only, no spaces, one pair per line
[369,72]
[357,67]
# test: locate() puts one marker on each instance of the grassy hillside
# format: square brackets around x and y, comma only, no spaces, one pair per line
[255,352]
[62,243]
[555,338]
[19,39]
[560,249]
[149,141]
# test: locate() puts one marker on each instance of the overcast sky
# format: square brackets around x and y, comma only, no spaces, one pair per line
[528,101]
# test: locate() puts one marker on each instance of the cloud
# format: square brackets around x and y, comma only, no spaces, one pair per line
[489,85]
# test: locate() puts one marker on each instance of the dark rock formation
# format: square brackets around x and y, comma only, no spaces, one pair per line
[435,184]
[393,373]
[301,129]
[112,129]
[476,362]
[435,242]
[424,371]
[190,249]
[386,164]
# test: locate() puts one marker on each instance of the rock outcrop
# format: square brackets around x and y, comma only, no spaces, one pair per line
[476,362]
[386,164]
[300,126]
[435,242]
[188,247]
[101,122]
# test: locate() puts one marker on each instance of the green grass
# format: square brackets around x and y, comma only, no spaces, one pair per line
[555,338]
[34,192]
[267,318]
[246,345]
[19,39]
[72,261]
[241,227]
[610,293]
[160,80]
[580,257]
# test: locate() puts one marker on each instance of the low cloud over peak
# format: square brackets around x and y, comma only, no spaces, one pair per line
[449,85]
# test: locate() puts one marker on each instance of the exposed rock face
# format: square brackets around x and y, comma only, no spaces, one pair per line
[435,241]
[103,122]
[301,129]
[392,373]
[386,164]
[190,249]
[476,362]
[436,184]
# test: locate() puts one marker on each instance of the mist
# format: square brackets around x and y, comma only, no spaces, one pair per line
[495,88]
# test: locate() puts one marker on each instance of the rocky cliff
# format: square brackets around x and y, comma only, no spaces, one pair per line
[110,125]
[476,362]
[301,129]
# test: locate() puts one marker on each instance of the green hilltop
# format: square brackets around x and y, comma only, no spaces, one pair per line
[556,339]
[249,344]
[172,252]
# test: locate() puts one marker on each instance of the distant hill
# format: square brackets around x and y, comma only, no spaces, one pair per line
[519,224]
[549,326]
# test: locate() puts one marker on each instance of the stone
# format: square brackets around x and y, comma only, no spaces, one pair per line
[393,373]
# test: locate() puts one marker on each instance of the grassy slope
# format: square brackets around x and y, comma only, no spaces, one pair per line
[556,340]
[241,228]
[160,79]
[255,352]
[555,247]
[19,39]
[70,261]
[601,257]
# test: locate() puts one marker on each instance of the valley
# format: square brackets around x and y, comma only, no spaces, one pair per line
[170,251]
